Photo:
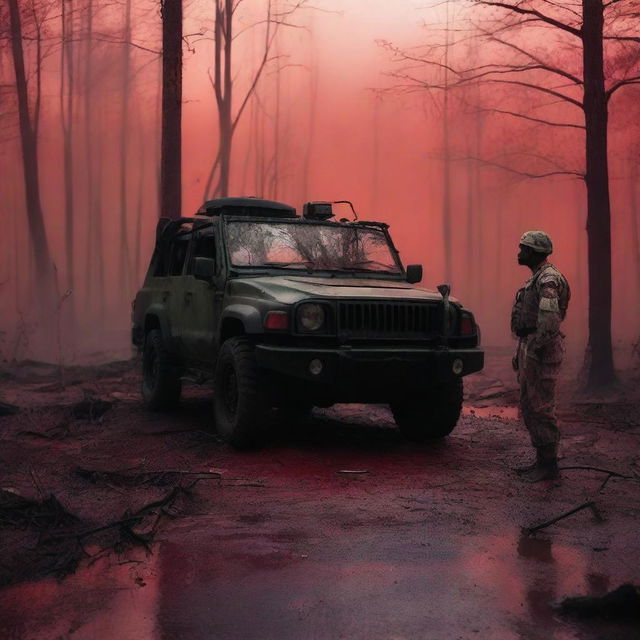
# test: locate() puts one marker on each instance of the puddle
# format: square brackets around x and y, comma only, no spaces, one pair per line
[508,413]
[371,583]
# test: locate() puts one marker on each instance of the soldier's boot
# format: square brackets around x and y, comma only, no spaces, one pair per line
[546,468]
[529,467]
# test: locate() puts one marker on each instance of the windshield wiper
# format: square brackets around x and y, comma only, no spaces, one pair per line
[377,263]
[283,265]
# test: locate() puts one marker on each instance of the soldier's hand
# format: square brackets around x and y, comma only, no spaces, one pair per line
[514,362]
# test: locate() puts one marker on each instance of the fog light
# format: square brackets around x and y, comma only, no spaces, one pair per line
[457,366]
[315,367]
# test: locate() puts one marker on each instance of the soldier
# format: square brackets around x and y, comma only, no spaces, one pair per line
[539,308]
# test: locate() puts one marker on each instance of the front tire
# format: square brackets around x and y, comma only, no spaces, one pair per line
[434,415]
[161,385]
[239,399]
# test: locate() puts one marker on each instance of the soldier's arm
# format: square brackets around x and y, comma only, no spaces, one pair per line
[549,316]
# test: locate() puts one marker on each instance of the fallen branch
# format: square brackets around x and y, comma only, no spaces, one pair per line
[586,468]
[8,409]
[586,505]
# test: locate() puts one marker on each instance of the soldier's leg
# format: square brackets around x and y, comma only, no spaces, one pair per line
[540,419]
[526,373]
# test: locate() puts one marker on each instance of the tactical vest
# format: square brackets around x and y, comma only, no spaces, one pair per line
[524,314]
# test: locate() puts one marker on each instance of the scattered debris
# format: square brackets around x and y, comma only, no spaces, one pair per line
[90,409]
[152,478]
[18,511]
[57,536]
[586,505]
[8,409]
[621,602]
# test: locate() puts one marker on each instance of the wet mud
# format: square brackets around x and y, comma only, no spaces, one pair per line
[338,528]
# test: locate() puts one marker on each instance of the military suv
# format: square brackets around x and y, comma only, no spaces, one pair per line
[291,311]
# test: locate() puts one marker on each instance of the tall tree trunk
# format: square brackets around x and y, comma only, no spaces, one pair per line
[171,161]
[375,160]
[635,226]
[277,134]
[91,257]
[67,117]
[37,232]
[124,261]
[601,371]
[312,123]
[446,166]
[224,94]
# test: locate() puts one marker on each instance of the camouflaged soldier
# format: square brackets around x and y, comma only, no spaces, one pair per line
[539,308]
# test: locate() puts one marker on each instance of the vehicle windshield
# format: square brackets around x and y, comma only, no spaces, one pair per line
[309,246]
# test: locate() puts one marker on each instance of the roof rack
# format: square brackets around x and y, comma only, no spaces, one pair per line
[247,206]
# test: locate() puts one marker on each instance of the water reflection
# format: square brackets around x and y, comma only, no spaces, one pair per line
[104,601]
[253,582]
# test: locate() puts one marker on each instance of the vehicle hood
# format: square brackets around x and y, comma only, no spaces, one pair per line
[291,289]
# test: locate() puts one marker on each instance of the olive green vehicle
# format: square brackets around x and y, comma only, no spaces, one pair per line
[290,312]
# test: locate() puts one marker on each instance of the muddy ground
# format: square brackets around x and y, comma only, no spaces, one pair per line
[120,523]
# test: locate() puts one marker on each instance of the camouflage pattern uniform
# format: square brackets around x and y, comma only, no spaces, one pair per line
[539,308]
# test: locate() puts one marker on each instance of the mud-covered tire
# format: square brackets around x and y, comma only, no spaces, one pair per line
[161,385]
[239,400]
[433,415]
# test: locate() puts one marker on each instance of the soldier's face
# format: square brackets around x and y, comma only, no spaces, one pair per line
[524,255]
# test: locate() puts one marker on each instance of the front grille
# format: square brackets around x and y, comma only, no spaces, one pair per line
[400,320]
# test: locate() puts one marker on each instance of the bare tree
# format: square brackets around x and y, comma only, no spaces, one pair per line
[28,139]
[582,79]
[223,83]
[67,88]
[171,153]
[125,88]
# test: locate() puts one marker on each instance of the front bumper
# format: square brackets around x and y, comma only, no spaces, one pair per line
[391,365]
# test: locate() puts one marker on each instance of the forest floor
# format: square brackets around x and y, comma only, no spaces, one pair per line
[121,523]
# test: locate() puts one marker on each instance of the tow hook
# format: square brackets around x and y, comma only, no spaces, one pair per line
[445,290]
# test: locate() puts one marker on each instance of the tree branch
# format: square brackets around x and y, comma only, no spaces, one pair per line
[532,12]
[621,83]
[525,174]
[540,120]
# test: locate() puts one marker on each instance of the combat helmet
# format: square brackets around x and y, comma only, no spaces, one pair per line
[538,240]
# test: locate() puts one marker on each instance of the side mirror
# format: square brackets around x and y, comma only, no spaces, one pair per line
[204,268]
[414,273]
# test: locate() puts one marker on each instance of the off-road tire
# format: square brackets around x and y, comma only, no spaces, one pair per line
[433,415]
[161,385]
[240,404]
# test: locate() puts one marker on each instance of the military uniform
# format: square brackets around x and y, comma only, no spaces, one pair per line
[539,308]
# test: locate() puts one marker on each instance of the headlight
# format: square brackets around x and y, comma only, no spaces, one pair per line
[311,316]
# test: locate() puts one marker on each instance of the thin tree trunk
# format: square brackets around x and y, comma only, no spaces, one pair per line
[37,232]
[311,133]
[124,262]
[635,230]
[446,166]
[601,371]
[91,257]
[375,161]
[224,34]
[275,175]
[67,118]
[171,160]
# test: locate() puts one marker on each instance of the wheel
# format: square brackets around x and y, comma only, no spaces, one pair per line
[239,401]
[161,386]
[433,415]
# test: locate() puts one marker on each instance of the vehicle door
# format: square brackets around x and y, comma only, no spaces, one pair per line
[173,287]
[202,300]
